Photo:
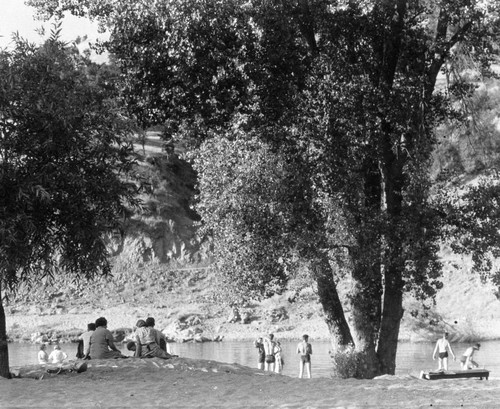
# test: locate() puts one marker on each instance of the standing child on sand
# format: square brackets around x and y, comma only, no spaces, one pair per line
[466,361]
[305,350]
[442,348]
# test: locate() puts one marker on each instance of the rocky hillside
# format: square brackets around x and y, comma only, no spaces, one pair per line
[161,269]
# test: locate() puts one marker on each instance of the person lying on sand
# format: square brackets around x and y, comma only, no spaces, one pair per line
[102,345]
[466,361]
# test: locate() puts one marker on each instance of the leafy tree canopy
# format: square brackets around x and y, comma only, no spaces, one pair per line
[63,166]
[342,97]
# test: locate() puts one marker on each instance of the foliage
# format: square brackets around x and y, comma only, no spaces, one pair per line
[62,154]
[347,363]
[249,210]
[315,121]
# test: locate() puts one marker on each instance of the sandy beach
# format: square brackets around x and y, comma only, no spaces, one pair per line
[189,383]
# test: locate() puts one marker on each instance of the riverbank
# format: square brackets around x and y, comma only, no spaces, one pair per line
[182,303]
[187,383]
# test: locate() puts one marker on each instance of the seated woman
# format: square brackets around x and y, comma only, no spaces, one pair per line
[146,343]
[102,345]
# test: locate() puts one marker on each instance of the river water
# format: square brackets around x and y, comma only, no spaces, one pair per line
[411,357]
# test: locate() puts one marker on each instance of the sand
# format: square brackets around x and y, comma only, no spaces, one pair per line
[189,383]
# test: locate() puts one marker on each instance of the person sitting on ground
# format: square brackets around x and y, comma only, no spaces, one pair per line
[146,345]
[160,337]
[57,356]
[102,345]
[466,361]
[43,358]
[131,345]
[84,342]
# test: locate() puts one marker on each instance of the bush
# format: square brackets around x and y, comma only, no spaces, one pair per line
[348,363]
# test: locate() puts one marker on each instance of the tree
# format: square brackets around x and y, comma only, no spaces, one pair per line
[62,167]
[345,92]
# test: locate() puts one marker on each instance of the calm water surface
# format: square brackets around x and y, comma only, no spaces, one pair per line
[411,357]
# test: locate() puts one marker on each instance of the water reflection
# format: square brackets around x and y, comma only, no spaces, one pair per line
[411,357]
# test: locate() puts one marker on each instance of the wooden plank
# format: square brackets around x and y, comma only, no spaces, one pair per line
[471,373]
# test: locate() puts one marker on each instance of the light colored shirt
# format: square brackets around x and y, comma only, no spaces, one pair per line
[57,356]
[85,337]
[146,335]
[43,358]
[469,352]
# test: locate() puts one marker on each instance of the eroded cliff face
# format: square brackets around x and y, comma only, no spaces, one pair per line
[163,230]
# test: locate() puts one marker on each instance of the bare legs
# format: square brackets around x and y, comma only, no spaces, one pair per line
[307,366]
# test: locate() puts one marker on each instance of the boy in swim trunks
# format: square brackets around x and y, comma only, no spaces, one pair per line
[442,348]
[269,349]
[305,350]
[466,361]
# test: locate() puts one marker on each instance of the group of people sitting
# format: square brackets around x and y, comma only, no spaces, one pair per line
[57,356]
[149,342]
[98,343]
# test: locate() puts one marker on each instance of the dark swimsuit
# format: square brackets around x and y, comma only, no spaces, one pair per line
[305,358]
[443,355]
[262,353]
[262,357]
[270,359]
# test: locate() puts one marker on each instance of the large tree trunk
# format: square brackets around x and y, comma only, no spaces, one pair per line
[332,306]
[365,299]
[392,313]
[393,180]
[4,349]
